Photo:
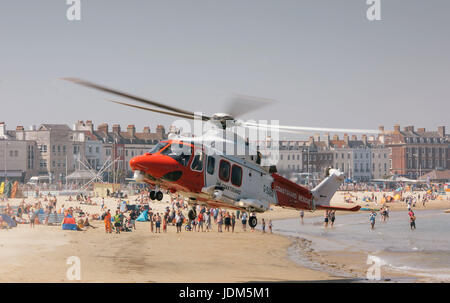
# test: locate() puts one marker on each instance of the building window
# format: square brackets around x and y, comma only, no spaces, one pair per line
[43,163]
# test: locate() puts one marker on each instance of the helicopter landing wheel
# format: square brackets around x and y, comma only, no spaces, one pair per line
[252,221]
[159,196]
[152,195]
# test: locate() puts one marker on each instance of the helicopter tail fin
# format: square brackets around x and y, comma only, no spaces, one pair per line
[323,192]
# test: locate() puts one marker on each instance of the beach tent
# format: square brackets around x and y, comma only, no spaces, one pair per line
[143,217]
[9,221]
[69,223]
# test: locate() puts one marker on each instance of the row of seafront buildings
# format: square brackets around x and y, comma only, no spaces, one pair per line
[408,152]
[57,150]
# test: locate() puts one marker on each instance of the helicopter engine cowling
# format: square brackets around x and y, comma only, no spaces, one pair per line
[253,205]
[139,176]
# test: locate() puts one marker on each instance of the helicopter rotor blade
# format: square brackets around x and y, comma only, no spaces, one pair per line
[285,128]
[154,110]
[242,104]
[126,95]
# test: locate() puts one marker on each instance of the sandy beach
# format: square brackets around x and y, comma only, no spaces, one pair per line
[40,254]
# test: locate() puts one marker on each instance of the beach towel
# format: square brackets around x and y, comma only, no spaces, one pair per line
[143,217]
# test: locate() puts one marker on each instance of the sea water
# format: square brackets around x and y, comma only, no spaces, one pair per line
[423,252]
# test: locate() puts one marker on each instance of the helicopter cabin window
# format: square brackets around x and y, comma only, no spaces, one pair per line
[236,175]
[197,163]
[179,152]
[211,165]
[224,170]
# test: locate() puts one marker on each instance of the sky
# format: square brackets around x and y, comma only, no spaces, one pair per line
[323,61]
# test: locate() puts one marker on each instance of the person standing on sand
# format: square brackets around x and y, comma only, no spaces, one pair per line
[219,222]
[270,226]
[244,221]
[233,222]
[151,218]
[117,222]
[302,214]
[158,223]
[263,223]
[107,220]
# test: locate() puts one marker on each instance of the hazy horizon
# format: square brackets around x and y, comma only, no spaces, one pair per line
[324,63]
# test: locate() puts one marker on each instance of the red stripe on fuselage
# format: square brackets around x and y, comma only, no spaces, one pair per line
[292,195]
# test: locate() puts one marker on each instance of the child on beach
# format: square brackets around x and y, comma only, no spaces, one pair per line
[270,226]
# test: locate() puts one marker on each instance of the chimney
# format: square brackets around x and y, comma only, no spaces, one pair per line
[327,140]
[317,137]
[336,137]
[160,131]
[20,135]
[381,128]
[397,128]
[90,125]
[146,130]
[103,128]
[131,130]
[364,139]
[346,139]
[354,138]
[2,129]
[116,128]
[441,131]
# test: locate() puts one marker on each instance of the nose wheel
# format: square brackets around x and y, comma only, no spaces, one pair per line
[252,221]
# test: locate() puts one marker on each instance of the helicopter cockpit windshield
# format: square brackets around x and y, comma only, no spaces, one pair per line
[158,147]
[179,151]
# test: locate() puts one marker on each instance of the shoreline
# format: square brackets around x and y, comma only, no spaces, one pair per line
[354,264]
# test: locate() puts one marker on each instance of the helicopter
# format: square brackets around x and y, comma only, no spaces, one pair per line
[201,170]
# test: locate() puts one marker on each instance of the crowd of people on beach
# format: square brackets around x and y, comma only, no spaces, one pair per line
[199,218]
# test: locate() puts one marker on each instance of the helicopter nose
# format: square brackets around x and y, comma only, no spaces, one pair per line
[155,165]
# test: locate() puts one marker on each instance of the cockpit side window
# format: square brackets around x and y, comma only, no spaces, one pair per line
[197,162]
